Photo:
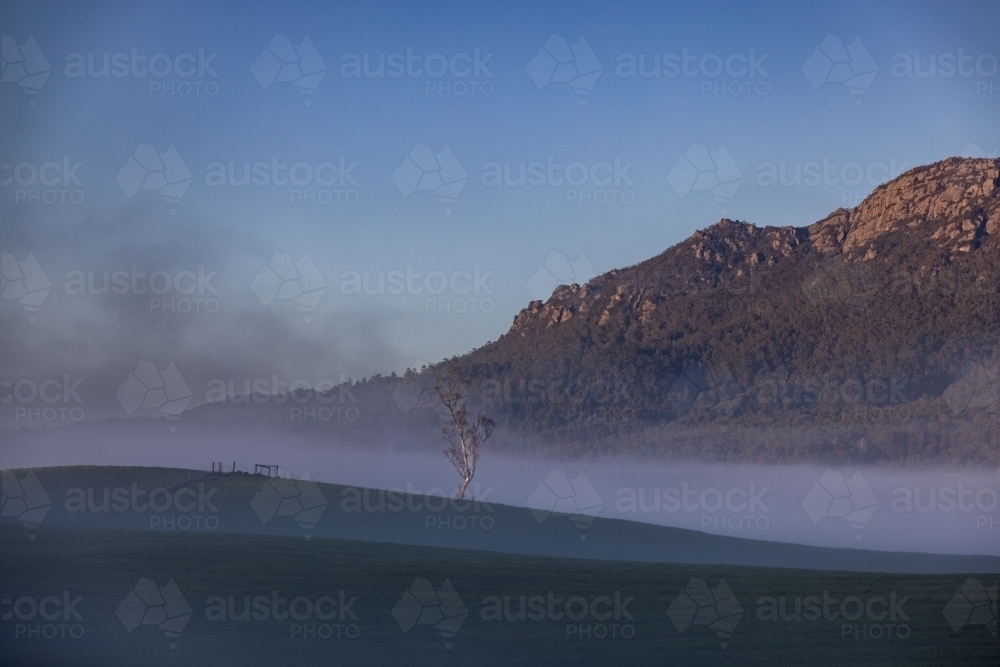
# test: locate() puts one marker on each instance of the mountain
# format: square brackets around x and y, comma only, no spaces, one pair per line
[871,335]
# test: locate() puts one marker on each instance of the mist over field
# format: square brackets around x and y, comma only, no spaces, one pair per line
[930,509]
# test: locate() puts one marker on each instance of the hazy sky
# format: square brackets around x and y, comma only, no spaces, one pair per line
[662,119]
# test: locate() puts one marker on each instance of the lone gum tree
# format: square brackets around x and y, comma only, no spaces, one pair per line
[463,437]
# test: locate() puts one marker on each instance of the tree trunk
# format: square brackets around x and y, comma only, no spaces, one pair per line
[463,486]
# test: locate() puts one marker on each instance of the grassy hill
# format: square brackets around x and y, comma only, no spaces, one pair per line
[260,585]
[655,624]
[158,501]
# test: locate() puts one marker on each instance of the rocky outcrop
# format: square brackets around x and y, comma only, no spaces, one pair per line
[955,202]
[952,205]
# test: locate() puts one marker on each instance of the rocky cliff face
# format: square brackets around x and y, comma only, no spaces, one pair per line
[952,206]
[730,253]
[954,202]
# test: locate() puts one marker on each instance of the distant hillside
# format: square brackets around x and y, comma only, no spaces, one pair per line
[871,335]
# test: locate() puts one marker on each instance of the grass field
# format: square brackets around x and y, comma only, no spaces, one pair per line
[122,594]
[163,500]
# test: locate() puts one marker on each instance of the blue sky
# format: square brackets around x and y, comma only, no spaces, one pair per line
[753,124]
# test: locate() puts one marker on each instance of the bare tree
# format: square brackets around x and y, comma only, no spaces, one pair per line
[463,437]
